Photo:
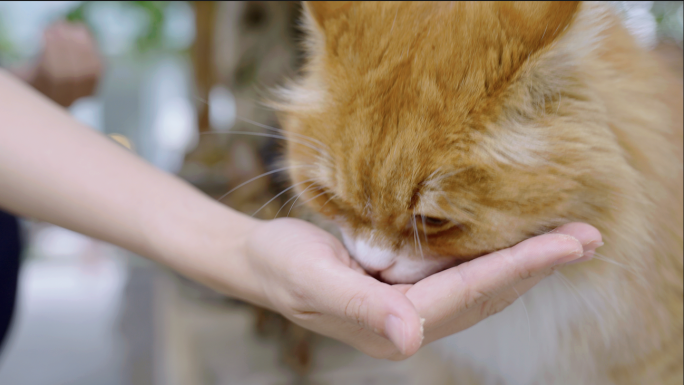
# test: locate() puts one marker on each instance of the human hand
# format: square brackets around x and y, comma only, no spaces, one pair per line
[307,275]
[285,264]
[458,298]
[69,66]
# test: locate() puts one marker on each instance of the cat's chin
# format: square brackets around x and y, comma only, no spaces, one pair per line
[413,271]
[410,271]
[392,266]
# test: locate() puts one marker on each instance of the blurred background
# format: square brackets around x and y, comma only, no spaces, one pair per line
[180,85]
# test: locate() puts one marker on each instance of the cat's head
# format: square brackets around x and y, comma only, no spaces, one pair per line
[433,133]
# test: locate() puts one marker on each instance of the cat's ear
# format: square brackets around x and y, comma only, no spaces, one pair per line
[322,11]
[536,23]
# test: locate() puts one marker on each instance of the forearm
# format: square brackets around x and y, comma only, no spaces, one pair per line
[25,73]
[54,169]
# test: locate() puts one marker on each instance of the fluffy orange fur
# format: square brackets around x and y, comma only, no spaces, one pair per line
[457,129]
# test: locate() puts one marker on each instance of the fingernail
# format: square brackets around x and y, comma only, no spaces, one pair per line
[395,329]
[593,245]
[586,257]
[569,258]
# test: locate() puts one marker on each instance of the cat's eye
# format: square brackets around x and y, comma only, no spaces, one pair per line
[432,221]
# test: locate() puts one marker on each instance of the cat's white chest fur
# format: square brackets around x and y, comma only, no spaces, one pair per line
[525,344]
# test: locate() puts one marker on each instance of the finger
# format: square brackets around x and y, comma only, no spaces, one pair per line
[364,340]
[589,236]
[486,309]
[362,300]
[458,289]
[402,287]
[356,267]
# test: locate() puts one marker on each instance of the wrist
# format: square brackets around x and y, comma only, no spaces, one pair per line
[206,241]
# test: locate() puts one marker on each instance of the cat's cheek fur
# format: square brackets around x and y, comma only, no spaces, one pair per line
[371,258]
[391,266]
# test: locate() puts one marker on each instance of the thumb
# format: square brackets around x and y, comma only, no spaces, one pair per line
[376,306]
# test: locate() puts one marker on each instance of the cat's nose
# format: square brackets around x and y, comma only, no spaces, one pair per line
[374,260]
[371,257]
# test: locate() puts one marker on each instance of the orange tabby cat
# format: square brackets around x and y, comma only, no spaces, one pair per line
[445,131]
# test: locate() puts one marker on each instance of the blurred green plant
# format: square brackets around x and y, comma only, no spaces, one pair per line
[8,53]
[667,14]
[151,38]
[670,19]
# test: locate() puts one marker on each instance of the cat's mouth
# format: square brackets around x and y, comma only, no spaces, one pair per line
[409,271]
[399,266]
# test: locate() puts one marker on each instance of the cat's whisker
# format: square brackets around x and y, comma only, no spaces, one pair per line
[581,299]
[432,175]
[422,217]
[395,20]
[586,303]
[435,178]
[464,214]
[281,131]
[261,176]
[413,233]
[628,268]
[279,194]
[283,206]
[447,216]
[415,242]
[267,127]
[561,277]
[328,201]
[320,151]
[527,314]
[298,196]
[310,199]
[416,236]
[603,258]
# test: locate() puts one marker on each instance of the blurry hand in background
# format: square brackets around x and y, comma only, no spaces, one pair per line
[69,67]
